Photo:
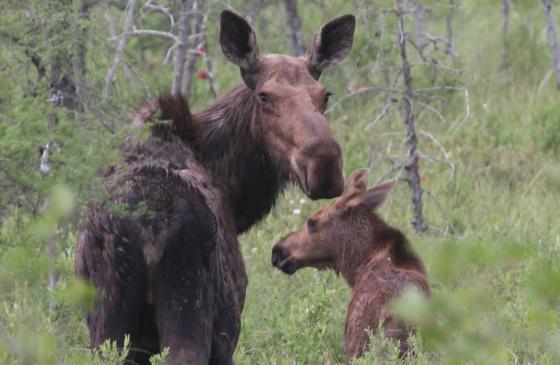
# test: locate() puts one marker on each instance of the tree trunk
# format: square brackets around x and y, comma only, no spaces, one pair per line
[547,6]
[412,164]
[294,25]
[449,24]
[198,19]
[421,38]
[181,47]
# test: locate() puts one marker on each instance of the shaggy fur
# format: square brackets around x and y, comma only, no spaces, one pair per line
[162,250]
[375,259]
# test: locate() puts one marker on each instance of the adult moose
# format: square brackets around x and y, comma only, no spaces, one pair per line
[375,259]
[174,276]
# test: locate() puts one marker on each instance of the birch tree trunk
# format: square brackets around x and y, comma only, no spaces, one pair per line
[412,164]
[553,39]
[198,19]
[181,47]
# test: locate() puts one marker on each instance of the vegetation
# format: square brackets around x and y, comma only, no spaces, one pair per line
[488,135]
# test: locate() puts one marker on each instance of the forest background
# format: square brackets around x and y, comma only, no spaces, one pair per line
[478,194]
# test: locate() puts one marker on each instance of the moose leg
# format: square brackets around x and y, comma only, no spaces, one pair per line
[183,299]
[184,284]
[116,267]
[229,304]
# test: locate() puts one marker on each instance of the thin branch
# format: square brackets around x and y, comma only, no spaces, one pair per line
[442,150]
[147,32]
[120,48]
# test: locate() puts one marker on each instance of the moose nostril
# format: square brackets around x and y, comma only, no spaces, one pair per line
[276,256]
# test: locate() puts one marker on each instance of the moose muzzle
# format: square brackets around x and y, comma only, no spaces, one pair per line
[319,169]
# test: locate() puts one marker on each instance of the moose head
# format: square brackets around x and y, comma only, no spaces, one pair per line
[292,101]
[340,235]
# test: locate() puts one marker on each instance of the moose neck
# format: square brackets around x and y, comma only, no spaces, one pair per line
[230,144]
[375,247]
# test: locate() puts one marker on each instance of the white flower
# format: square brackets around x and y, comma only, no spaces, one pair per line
[297,211]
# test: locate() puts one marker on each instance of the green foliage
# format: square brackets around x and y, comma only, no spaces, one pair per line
[493,248]
[110,353]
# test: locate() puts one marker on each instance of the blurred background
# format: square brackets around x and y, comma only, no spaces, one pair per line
[459,99]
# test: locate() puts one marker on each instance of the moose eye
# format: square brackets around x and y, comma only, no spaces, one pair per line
[263,97]
[311,225]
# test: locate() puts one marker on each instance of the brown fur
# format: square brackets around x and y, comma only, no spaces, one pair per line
[375,259]
[169,272]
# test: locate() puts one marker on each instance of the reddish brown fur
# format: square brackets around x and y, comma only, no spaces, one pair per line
[375,259]
[174,276]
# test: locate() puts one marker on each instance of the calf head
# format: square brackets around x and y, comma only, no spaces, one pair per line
[291,100]
[333,232]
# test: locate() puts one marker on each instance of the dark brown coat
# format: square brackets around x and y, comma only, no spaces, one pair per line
[375,259]
[169,271]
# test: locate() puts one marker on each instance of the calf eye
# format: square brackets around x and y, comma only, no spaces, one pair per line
[263,97]
[312,225]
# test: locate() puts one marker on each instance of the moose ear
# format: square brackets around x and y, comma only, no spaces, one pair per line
[331,44]
[239,45]
[355,188]
[376,196]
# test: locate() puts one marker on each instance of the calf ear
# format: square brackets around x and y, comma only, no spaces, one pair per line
[331,44]
[355,188]
[376,196]
[239,45]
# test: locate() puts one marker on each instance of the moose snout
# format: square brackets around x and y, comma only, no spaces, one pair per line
[321,170]
[277,256]
[281,259]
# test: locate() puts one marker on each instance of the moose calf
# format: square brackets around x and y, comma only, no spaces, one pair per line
[375,259]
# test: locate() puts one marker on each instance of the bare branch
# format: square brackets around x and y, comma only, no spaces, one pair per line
[442,150]
[120,48]
[147,32]
[152,5]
